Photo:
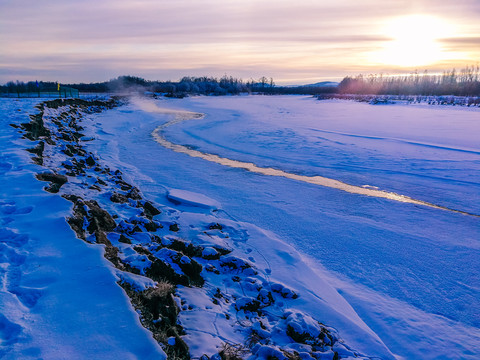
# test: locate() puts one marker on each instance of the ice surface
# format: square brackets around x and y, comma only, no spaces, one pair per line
[428,153]
[399,265]
[386,277]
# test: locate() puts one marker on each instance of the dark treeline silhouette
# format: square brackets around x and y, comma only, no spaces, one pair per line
[18,87]
[204,85]
[36,89]
[226,85]
[304,90]
[465,82]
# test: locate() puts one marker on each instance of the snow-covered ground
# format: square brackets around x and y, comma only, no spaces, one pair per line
[58,296]
[410,272]
[388,277]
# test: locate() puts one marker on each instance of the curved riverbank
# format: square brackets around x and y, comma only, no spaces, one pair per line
[180,116]
[402,264]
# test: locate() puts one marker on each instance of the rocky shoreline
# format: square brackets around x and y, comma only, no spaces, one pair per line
[157,263]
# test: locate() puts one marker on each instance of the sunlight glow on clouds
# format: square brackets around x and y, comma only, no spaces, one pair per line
[304,41]
[415,40]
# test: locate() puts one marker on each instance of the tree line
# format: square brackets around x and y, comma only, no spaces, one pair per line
[465,82]
[187,85]
[17,87]
[226,85]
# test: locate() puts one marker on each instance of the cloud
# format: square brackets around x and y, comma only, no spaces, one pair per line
[463,41]
[94,37]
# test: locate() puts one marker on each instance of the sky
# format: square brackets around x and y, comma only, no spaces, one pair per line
[292,41]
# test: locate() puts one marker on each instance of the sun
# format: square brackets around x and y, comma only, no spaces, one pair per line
[414,41]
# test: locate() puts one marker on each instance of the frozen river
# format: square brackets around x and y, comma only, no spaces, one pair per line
[410,271]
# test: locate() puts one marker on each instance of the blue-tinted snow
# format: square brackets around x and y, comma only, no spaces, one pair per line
[58,296]
[410,272]
[192,199]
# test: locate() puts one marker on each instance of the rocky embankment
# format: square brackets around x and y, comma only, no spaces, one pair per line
[161,266]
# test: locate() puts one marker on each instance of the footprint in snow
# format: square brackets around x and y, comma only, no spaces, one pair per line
[235,234]
[10,261]
[11,277]
[4,167]
[9,208]
[27,296]
[12,239]
[10,256]
[6,220]
[9,332]
[102,132]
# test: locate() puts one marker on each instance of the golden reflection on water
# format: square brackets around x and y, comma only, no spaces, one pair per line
[316,180]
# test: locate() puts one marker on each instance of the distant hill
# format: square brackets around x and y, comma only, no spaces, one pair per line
[318,84]
[322,84]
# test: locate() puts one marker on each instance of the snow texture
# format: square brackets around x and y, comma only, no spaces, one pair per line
[192,199]
[285,265]
[58,296]
[411,273]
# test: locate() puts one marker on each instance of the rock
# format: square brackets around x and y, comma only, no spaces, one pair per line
[111,252]
[98,218]
[210,253]
[124,239]
[35,128]
[150,210]
[56,181]
[215,226]
[134,194]
[247,304]
[152,226]
[52,177]
[38,149]
[90,161]
[118,198]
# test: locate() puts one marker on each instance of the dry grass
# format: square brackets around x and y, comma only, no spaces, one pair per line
[233,352]
[163,289]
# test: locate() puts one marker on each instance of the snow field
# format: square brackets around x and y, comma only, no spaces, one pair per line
[176,245]
[410,272]
[58,296]
[201,204]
